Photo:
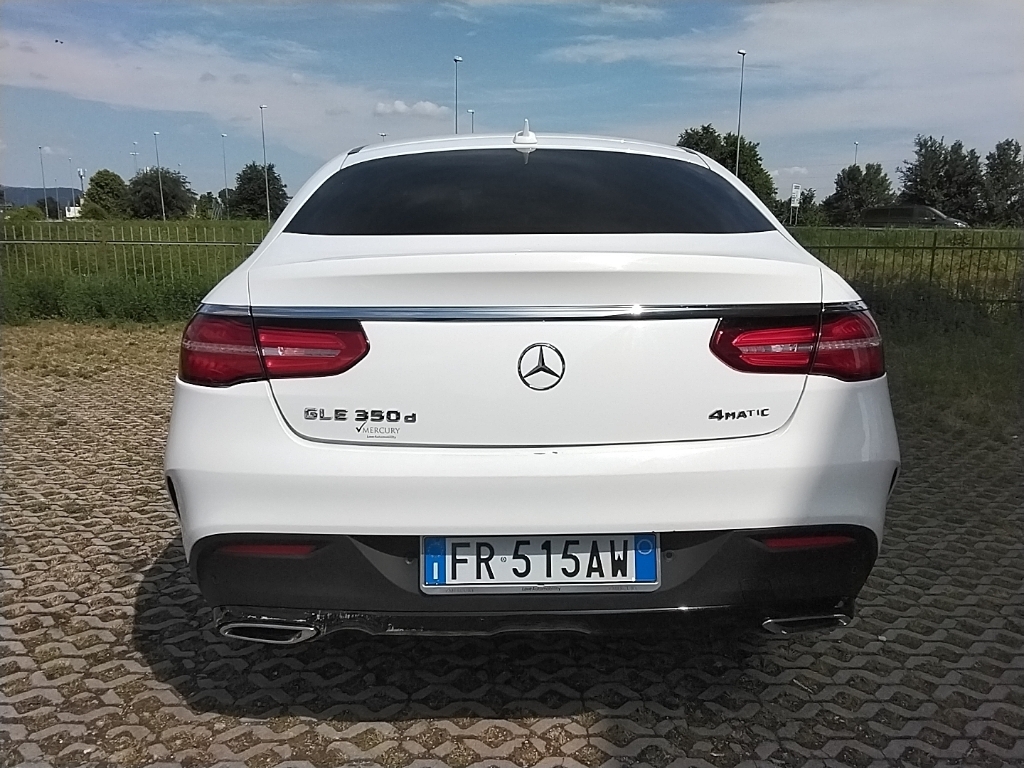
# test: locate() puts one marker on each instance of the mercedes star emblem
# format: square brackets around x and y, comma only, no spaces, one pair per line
[541,366]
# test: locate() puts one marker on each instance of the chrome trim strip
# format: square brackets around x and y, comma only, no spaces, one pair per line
[788,626]
[513,313]
[224,310]
[845,306]
[520,313]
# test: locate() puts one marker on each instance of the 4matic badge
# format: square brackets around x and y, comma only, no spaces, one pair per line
[750,413]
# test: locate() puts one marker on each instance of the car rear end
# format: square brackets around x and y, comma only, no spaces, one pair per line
[466,387]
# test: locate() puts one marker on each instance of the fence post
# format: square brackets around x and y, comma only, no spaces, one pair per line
[931,266]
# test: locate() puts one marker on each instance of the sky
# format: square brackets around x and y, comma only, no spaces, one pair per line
[93,81]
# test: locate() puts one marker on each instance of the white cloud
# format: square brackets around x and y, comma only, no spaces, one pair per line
[820,75]
[458,11]
[303,110]
[794,170]
[622,13]
[840,65]
[419,109]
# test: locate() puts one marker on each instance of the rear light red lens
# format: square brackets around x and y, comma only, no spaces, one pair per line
[807,542]
[221,350]
[268,550]
[849,348]
[766,345]
[844,345]
[218,351]
[289,352]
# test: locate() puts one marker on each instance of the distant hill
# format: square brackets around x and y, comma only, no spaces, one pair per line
[18,196]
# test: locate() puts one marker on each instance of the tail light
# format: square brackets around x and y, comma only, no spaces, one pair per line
[291,352]
[766,345]
[845,345]
[218,351]
[849,347]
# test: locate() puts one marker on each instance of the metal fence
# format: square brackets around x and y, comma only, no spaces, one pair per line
[168,254]
[970,265]
[984,266]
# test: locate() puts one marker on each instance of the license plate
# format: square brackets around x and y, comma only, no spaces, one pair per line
[505,564]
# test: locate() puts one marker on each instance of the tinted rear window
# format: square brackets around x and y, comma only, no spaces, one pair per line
[504,191]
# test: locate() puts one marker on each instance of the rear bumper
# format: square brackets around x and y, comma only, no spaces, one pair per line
[237,468]
[372,584]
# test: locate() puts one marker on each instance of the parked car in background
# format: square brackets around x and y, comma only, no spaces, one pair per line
[487,383]
[922,216]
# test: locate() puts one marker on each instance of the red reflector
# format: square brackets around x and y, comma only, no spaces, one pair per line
[850,347]
[218,351]
[311,352]
[807,542]
[267,550]
[766,345]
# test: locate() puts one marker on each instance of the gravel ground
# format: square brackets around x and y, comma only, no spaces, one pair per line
[107,657]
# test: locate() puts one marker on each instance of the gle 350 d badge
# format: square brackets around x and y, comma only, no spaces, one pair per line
[357,415]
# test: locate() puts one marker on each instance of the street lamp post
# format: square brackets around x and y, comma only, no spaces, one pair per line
[42,172]
[159,175]
[224,157]
[135,156]
[457,60]
[856,146]
[472,120]
[266,174]
[739,113]
[382,137]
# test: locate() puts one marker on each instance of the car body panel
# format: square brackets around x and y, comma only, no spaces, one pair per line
[237,467]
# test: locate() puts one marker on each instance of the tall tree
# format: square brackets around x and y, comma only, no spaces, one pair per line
[225,199]
[857,189]
[109,192]
[249,200]
[207,206]
[1004,185]
[947,178]
[48,207]
[965,185]
[922,177]
[144,191]
[722,149]
[811,213]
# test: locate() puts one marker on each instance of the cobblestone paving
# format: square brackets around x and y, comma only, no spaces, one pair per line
[107,657]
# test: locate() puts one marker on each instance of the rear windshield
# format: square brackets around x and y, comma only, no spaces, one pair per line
[505,191]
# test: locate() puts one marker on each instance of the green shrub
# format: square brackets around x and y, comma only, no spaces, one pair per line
[98,298]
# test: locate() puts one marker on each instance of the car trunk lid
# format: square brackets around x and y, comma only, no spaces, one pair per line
[537,347]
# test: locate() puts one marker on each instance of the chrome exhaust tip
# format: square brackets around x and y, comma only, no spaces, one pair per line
[793,624]
[273,633]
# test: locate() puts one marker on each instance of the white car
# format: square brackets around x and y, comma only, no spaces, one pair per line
[488,383]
